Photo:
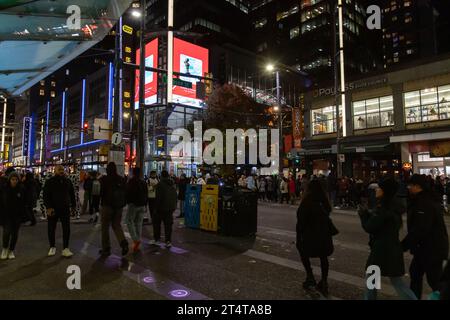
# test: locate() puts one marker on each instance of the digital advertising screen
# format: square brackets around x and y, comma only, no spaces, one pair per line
[190,59]
[151,83]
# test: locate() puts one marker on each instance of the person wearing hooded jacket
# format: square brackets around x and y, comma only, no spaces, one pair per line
[13,204]
[383,224]
[166,204]
[427,237]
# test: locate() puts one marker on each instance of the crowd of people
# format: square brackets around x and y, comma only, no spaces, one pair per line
[381,203]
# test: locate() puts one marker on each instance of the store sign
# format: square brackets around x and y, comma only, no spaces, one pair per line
[439,149]
[323,92]
[127,29]
[297,127]
[26,136]
[360,149]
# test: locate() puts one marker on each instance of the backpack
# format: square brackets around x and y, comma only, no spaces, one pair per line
[119,199]
[96,188]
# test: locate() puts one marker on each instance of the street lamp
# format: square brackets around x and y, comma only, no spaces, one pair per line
[270,68]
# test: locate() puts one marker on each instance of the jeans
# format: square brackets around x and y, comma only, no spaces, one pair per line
[403,291]
[94,205]
[111,217]
[10,234]
[135,218]
[420,266]
[62,215]
[167,218]
[86,202]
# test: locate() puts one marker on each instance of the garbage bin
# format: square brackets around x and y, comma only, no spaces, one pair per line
[239,212]
[192,206]
[209,206]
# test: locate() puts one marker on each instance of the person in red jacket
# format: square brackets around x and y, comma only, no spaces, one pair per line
[292,189]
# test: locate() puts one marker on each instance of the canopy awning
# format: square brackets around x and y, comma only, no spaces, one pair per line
[39,37]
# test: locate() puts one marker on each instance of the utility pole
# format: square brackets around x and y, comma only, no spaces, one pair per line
[280,124]
[3,127]
[140,148]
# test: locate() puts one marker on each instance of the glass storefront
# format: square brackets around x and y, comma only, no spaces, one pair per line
[429,104]
[323,120]
[373,113]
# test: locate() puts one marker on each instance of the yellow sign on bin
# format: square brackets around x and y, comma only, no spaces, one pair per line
[209,207]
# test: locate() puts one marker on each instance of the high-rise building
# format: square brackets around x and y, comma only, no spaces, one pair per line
[300,34]
[414,29]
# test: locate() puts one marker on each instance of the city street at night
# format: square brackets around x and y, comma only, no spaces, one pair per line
[205,265]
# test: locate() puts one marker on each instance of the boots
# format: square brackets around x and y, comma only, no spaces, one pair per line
[309,282]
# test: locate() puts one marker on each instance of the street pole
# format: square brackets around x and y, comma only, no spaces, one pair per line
[280,125]
[170,12]
[140,141]
[4,128]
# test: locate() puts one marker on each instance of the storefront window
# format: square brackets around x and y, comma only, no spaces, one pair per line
[427,104]
[373,113]
[324,120]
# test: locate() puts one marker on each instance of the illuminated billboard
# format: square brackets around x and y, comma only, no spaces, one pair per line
[151,78]
[190,59]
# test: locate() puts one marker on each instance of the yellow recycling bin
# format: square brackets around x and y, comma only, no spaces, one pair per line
[209,207]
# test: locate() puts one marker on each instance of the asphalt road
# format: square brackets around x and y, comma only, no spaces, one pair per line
[201,265]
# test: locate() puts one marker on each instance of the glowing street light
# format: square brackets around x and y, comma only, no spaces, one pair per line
[270,67]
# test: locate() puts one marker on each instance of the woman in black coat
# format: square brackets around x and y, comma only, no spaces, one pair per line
[13,205]
[314,235]
[383,225]
[182,184]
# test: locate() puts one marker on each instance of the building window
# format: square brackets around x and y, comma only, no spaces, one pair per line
[308,3]
[313,12]
[260,23]
[41,92]
[53,84]
[323,120]
[427,104]
[262,47]
[373,113]
[313,24]
[52,94]
[42,82]
[294,32]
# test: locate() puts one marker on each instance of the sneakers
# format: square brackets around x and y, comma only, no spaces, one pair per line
[66,253]
[136,245]
[51,252]
[11,255]
[168,244]
[4,255]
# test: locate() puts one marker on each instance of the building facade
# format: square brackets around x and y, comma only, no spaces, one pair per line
[393,119]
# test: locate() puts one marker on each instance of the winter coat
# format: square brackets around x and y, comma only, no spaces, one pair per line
[314,237]
[292,186]
[87,185]
[109,183]
[284,187]
[31,189]
[136,192]
[383,225]
[427,234]
[59,193]
[13,204]
[166,196]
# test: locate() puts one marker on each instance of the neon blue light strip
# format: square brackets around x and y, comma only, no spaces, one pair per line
[83,97]
[79,145]
[48,117]
[110,91]
[63,113]
[120,75]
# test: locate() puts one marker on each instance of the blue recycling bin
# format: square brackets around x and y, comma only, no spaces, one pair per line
[192,206]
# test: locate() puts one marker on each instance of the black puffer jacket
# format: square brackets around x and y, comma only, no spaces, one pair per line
[166,196]
[136,192]
[13,204]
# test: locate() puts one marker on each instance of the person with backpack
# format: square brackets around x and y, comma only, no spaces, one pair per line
[59,199]
[95,198]
[13,200]
[113,199]
[151,187]
[427,237]
[137,201]
[166,204]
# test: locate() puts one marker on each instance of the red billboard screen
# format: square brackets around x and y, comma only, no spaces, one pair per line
[151,82]
[190,59]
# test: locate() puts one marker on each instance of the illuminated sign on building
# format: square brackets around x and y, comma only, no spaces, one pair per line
[151,85]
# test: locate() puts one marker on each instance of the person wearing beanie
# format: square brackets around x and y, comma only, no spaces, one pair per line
[13,204]
[383,225]
[427,237]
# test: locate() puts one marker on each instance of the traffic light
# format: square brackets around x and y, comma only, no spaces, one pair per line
[85,127]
